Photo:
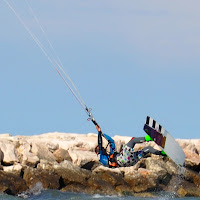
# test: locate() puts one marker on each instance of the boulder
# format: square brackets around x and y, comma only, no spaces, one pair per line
[192,160]
[108,181]
[26,157]
[48,178]
[71,173]
[81,157]
[11,183]
[161,166]
[179,186]
[190,145]
[9,155]
[42,152]
[188,189]
[61,155]
[192,177]
[52,146]
[1,156]
[14,169]
[29,159]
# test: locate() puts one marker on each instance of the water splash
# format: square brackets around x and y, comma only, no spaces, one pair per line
[177,181]
[182,171]
[35,190]
[98,196]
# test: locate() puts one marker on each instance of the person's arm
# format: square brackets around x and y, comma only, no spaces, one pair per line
[99,136]
[103,157]
[100,141]
[111,143]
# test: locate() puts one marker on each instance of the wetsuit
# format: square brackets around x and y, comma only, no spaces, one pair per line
[127,156]
[105,158]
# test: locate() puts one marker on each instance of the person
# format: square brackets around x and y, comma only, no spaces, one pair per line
[127,156]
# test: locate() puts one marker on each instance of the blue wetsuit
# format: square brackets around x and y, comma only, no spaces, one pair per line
[104,157]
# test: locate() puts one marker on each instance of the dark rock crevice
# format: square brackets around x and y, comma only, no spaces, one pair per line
[90,165]
[61,183]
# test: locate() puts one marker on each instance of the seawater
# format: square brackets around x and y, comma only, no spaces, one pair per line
[58,195]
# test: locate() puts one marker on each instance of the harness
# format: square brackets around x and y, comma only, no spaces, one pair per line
[112,161]
[111,158]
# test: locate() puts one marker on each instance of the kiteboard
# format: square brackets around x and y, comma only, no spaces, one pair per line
[163,138]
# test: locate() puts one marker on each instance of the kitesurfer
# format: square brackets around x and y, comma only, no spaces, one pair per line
[127,156]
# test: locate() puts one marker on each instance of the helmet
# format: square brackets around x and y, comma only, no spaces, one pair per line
[97,149]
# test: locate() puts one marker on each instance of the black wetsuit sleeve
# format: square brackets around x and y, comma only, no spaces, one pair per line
[134,141]
[100,140]
[99,135]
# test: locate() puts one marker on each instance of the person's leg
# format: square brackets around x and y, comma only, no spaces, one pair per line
[149,149]
[134,141]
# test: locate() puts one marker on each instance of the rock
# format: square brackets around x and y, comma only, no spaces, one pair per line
[112,176]
[71,173]
[192,177]
[184,189]
[52,147]
[190,145]
[136,181]
[188,189]
[26,157]
[192,160]
[61,155]
[42,152]
[1,156]
[23,147]
[103,180]
[157,165]
[14,169]
[80,158]
[9,152]
[5,135]
[48,178]
[192,152]
[11,184]
[29,159]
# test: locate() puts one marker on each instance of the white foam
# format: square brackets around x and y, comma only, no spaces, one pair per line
[35,190]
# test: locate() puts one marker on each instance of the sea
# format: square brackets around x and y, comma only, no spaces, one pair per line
[39,193]
[58,195]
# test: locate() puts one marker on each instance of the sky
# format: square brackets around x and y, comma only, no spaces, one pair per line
[128,60]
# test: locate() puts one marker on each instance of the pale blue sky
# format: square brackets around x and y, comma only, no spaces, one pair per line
[128,59]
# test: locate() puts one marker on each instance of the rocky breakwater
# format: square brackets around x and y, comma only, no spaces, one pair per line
[67,162]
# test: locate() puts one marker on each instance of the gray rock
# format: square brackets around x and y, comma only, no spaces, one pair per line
[48,178]
[42,152]
[61,155]
[71,173]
